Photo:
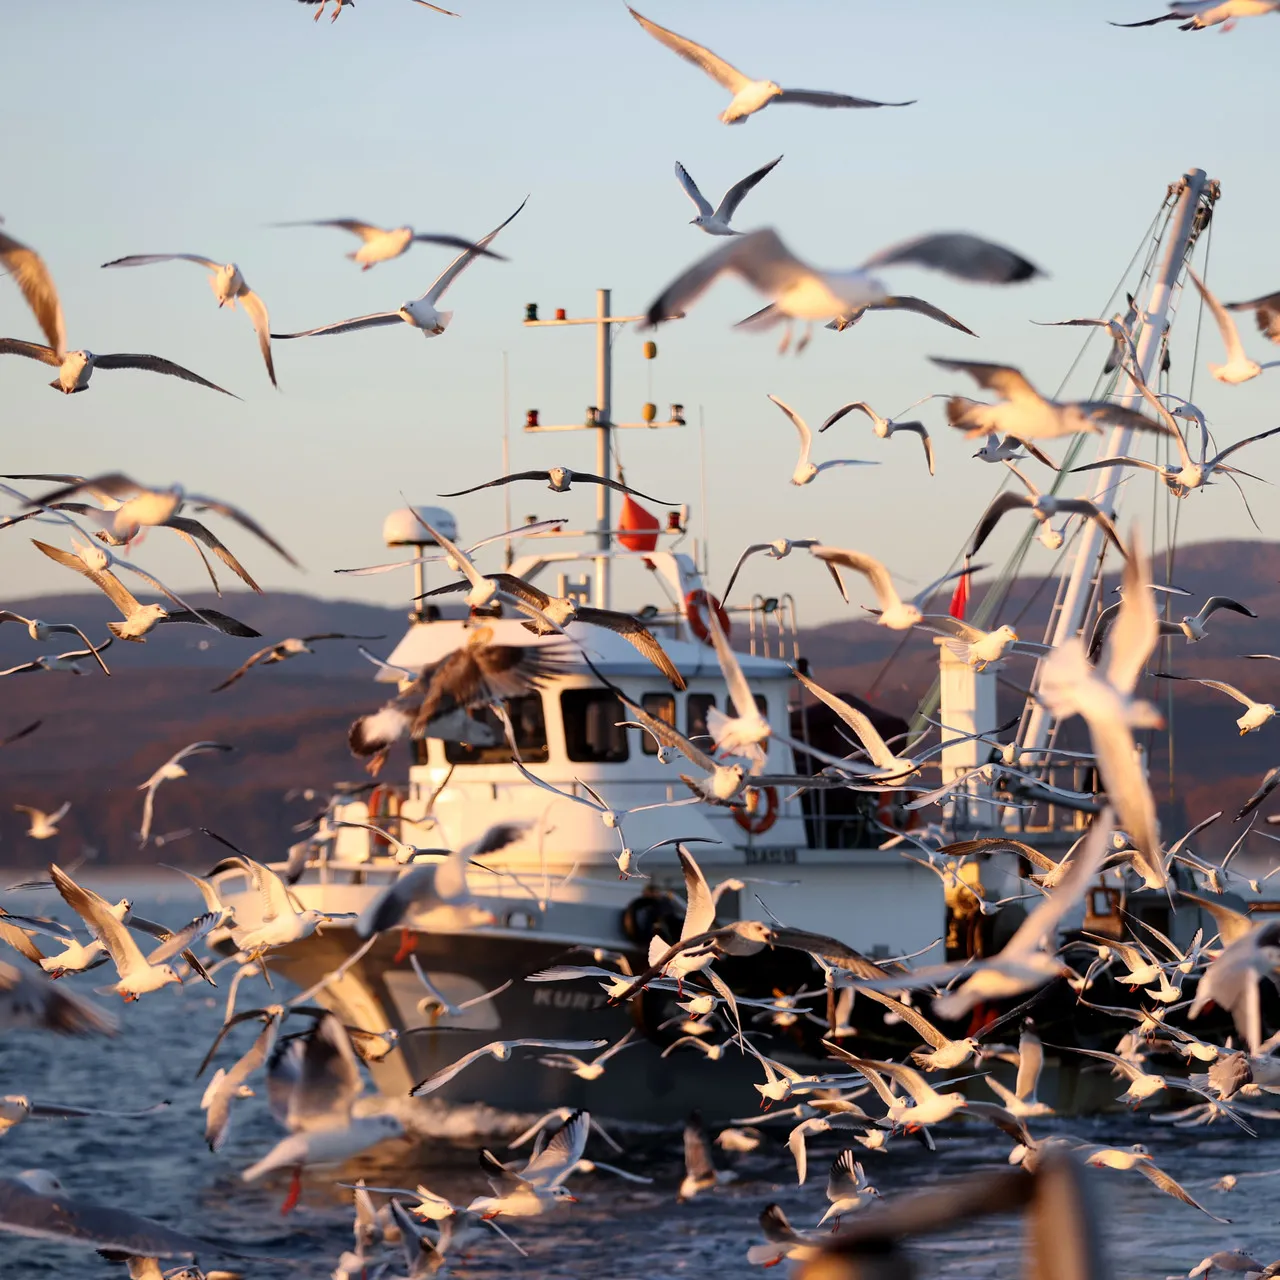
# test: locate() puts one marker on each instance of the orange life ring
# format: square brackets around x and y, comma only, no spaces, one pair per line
[765,815]
[697,604]
[384,803]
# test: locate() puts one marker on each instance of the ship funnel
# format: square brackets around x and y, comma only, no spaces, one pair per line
[403,528]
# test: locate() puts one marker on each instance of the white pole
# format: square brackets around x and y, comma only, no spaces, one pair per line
[604,451]
[1155,322]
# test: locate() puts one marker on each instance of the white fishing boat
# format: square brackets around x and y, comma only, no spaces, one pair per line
[810,858]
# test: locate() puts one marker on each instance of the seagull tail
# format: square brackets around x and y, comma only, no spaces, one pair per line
[117,630]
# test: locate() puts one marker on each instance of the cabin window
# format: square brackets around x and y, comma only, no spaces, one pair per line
[661,706]
[695,716]
[762,705]
[530,729]
[591,731]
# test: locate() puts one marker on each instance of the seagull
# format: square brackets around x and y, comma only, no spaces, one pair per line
[1120,327]
[783,1241]
[743,732]
[15,1108]
[283,650]
[779,549]
[44,826]
[281,921]
[1199,14]
[500,835]
[944,1054]
[1191,473]
[429,888]
[137,974]
[978,648]
[559,480]
[1021,1102]
[534,528]
[1239,367]
[1256,714]
[1192,627]
[802,292]
[60,661]
[768,316]
[887,763]
[885,427]
[170,771]
[594,1069]
[501,1050]
[381,244]
[422,313]
[805,471]
[715,222]
[228,285]
[895,613]
[313,1083]
[227,1086]
[435,1003]
[1105,698]
[700,1172]
[139,619]
[560,611]
[75,368]
[38,629]
[847,1188]
[1024,414]
[1046,507]
[29,1001]
[723,781]
[539,1185]
[146,505]
[1138,1158]
[749,96]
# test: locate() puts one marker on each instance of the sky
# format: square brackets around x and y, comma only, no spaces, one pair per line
[166,127]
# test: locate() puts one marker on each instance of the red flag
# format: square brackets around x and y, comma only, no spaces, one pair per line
[960,599]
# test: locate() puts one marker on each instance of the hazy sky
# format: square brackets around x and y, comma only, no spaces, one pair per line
[157,126]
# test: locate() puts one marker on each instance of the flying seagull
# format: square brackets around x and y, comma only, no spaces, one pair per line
[885,428]
[228,285]
[559,480]
[1266,313]
[170,771]
[1195,15]
[381,244]
[1239,367]
[74,367]
[38,629]
[749,96]
[803,292]
[715,222]
[282,651]
[1023,413]
[422,313]
[807,471]
[895,613]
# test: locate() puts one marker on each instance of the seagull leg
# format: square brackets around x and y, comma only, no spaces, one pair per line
[1226,26]
[295,1192]
[408,943]
[805,337]
[319,11]
[786,338]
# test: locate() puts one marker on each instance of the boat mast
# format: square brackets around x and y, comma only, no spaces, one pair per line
[1075,600]
[599,418]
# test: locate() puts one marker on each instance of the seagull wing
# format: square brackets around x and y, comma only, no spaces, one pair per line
[906,302]
[328,1078]
[722,72]
[738,192]
[637,634]
[256,310]
[1137,627]
[1266,313]
[737,568]
[464,260]
[669,735]
[557,1160]
[869,567]
[1213,604]
[252,660]
[801,426]
[103,579]
[1226,325]
[243,519]
[202,534]
[145,259]
[919,429]
[1030,1064]
[1165,1183]
[739,690]
[96,913]
[1007,382]
[1240,444]
[32,350]
[860,406]
[960,255]
[700,908]
[759,257]
[826,98]
[36,284]
[489,484]
[1091,511]
[156,364]
[861,725]
[912,1017]
[178,942]
[1009,500]
[700,201]
[698,1164]
[374,320]
[1229,689]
